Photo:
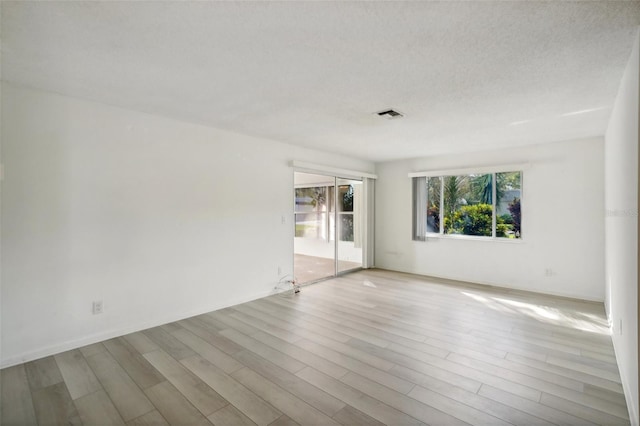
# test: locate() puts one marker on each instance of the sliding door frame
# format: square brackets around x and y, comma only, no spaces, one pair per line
[367,228]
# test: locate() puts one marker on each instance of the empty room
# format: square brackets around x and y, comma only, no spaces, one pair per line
[319,212]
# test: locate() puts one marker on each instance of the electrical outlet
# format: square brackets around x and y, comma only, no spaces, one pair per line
[548,272]
[97,307]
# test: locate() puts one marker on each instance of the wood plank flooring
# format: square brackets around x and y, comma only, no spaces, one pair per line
[369,348]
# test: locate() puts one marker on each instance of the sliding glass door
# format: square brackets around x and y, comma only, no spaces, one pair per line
[314,246]
[329,229]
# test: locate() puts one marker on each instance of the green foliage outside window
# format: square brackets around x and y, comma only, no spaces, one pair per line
[514,209]
[467,205]
[471,220]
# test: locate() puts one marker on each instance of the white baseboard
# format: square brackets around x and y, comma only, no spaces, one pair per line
[499,285]
[121,331]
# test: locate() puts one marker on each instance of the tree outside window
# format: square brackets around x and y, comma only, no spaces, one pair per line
[466,204]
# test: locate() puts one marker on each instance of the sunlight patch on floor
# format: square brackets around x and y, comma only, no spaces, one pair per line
[545,314]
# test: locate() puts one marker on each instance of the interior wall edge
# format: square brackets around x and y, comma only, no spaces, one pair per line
[622,244]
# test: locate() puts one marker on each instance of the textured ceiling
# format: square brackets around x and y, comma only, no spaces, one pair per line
[467,75]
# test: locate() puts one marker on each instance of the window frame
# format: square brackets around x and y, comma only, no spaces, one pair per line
[426,235]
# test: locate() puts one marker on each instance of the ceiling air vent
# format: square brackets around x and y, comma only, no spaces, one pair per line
[390,114]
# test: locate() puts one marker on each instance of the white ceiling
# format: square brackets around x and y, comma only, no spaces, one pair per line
[467,75]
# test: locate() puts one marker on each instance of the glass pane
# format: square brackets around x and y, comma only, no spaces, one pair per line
[349,224]
[311,225]
[312,199]
[345,198]
[433,204]
[346,227]
[508,194]
[468,205]
[314,253]
[331,199]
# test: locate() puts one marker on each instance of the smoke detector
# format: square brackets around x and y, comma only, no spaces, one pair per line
[390,114]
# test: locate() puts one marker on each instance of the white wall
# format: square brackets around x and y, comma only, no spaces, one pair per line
[157,218]
[562,223]
[621,204]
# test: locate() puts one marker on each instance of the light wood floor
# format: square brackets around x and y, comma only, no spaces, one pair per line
[372,347]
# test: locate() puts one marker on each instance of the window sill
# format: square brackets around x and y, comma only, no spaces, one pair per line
[472,238]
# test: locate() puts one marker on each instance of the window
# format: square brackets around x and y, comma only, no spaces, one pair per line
[311,212]
[509,192]
[476,204]
[345,212]
[468,208]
